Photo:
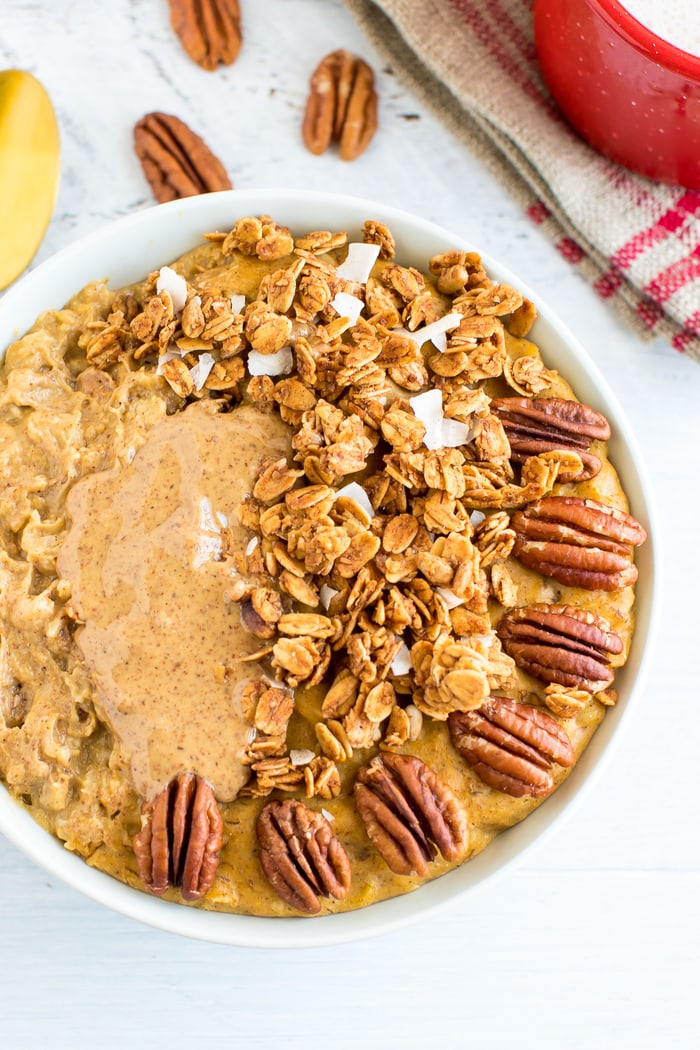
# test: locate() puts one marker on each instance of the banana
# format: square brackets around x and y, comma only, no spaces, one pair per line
[29,169]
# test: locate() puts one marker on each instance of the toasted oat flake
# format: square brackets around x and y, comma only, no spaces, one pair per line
[176,286]
[279,364]
[169,355]
[358,262]
[347,305]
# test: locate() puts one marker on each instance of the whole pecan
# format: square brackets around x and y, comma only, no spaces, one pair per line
[511,745]
[579,542]
[561,643]
[209,30]
[410,813]
[341,107]
[180,839]
[542,424]
[176,161]
[300,855]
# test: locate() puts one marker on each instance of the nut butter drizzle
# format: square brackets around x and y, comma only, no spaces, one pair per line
[143,557]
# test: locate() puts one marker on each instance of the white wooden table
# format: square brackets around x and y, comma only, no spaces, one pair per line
[593,942]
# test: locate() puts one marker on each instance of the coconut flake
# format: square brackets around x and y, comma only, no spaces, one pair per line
[356,492]
[237,303]
[439,341]
[172,282]
[221,518]
[449,597]
[476,517]
[348,306]
[301,756]
[329,816]
[401,664]
[358,262]
[327,594]
[279,364]
[429,331]
[427,407]
[251,546]
[200,371]
[455,433]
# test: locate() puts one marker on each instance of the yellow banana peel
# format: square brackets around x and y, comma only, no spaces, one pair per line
[29,169]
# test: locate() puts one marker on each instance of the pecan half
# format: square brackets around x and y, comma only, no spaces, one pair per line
[209,30]
[579,542]
[410,813]
[341,107]
[176,161]
[300,855]
[511,746]
[561,643]
[542,424]
[180,839]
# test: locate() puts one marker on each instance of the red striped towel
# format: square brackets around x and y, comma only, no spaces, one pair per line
[636,241]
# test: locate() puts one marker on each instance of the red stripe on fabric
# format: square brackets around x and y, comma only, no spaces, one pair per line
[493,44]
[688,204]
[649,312]
[571,251]
[538,212]
[608,283]
[692,323]
[674,277]
[680,341]
[512,31]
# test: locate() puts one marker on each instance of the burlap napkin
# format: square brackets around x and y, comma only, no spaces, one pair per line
[474,64]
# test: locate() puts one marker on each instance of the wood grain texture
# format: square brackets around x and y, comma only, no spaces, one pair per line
[594,941]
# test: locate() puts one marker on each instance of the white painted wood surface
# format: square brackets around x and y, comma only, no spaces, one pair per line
[593,942]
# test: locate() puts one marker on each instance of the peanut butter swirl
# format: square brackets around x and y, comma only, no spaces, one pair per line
[144,558]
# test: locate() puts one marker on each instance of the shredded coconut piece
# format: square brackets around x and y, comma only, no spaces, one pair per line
[251,546]
[252,733]
[427,407]
[301,756]
[455,433]
[439,341]
[200,371]
[356,492]
[476,517]
[237,303]
[449,597]
[327,594]
[172,282]
[401,664]
[329,816]
[439,432]
[279,364]
[429,331]
[348,306]
[222,519]
[359,262]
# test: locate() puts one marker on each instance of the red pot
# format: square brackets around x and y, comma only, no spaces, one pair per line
[632,95]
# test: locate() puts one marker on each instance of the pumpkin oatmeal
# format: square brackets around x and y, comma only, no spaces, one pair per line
[314,576]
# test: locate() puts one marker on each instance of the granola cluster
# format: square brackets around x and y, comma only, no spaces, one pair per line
[372,557]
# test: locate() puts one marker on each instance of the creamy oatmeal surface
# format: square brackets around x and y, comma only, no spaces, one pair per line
[313,576]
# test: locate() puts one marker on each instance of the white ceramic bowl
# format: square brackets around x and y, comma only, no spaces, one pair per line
[130,248]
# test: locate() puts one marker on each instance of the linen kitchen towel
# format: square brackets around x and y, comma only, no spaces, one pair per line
[474,64]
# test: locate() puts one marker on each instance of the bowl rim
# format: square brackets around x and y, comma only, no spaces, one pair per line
[645,41]
[160,225]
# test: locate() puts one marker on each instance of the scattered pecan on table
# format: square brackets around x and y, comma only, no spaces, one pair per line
[341,106]
[209,30]
[175,160]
